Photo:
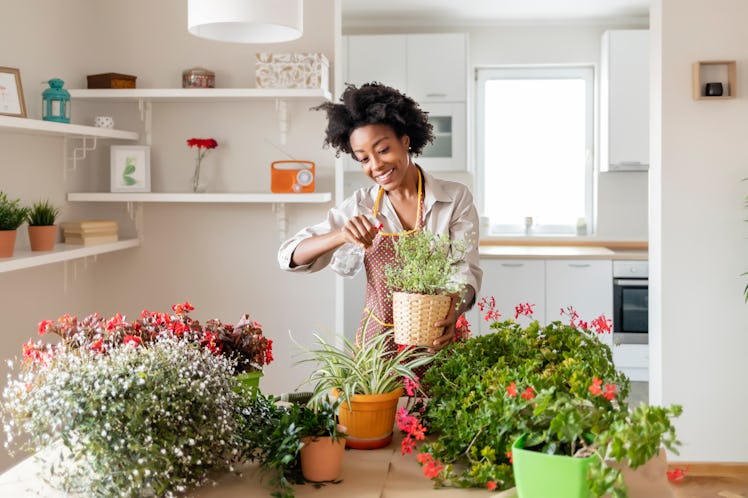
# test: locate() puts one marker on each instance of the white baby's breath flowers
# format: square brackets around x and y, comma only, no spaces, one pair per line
[163,415]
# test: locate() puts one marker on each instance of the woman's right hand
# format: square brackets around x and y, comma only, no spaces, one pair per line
[360,230]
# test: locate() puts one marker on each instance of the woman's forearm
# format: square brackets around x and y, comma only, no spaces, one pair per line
[312,248]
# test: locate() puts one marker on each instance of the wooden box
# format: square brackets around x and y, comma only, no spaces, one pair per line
[111,80]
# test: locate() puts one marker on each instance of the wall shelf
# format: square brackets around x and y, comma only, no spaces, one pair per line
[246,198]
[40,127]
[199,94]
[62,252]
[724,72]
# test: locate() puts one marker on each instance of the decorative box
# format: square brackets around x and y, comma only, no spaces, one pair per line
[292,70]
[111,80]
[198,77]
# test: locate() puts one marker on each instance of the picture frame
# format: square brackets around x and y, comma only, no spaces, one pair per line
[11,93]
[130,168]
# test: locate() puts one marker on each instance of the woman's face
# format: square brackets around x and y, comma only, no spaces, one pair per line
[382,155]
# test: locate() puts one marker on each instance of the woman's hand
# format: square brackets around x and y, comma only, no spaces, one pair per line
[360,230]
[449,325]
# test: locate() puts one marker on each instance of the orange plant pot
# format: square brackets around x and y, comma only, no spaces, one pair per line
[42,238]
[322,458]
[370,419]
[7,243]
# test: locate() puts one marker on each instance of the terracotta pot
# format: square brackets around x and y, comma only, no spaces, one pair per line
[370,419]
[42,238]
[322,458]
[7,242]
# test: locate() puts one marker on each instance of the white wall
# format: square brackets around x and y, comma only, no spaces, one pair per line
[698,234]
[222,258]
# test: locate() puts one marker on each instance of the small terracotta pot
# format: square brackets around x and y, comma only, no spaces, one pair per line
[42,238]
[321,458]
[7,242]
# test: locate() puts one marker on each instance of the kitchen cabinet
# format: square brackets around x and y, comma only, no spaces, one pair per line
[88,135]
[431,69]
[585,285]
[632,360]
[551,285]
[624,96]
[510,282]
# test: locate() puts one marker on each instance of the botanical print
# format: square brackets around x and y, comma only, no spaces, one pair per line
[9,101]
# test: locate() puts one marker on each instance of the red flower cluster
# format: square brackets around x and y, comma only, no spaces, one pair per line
[488,305]
[595,390]
[413,429]
[676,475]
[527,394]
[462,329]
[243,342]
[431,468]
[525,309]
[202,143]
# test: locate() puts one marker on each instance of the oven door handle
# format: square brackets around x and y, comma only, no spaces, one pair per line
[631,282]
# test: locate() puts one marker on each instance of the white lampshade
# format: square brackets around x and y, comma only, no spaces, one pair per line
[246,21]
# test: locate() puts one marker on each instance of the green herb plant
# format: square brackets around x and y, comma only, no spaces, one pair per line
[12,214]
[556,384]
[426,263]
[42,213]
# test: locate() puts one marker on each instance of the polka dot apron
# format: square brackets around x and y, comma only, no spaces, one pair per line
[377,316]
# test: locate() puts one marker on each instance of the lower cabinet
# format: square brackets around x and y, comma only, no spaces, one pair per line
[551,285]
[632,360]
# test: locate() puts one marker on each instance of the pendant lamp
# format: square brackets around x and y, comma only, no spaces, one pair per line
[246,21]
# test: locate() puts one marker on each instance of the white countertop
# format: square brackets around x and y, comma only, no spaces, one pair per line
[557,252]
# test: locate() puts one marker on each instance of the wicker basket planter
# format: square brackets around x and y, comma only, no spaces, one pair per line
[414,316]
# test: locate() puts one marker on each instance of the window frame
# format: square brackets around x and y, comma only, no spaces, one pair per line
[546,71]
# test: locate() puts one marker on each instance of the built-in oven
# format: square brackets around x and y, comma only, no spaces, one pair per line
[630,302]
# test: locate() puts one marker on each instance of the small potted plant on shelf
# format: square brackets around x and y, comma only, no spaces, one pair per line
[42,228]
[368,379]
[12,215]
[537,391]
[422,278]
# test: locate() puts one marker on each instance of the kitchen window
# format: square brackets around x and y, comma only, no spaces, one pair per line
[534,149]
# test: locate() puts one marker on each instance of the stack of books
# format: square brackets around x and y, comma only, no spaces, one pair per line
[89,232]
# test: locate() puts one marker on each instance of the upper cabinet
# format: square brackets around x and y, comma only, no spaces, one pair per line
[431,69]
[624,99]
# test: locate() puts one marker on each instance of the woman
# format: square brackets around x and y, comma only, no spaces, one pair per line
[383,129]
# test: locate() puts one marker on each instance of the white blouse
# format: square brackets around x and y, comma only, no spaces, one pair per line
[448,209]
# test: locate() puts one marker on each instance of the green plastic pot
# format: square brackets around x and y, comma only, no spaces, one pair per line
[538,475]
[248,383]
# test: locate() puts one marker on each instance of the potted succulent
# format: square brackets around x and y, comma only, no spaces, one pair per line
[551,389]
[422,277]
[42,228]
[12,215]
[368,380]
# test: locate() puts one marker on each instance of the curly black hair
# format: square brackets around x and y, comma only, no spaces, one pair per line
[375,103]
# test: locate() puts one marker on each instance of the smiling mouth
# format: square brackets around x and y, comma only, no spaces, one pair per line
[384,176]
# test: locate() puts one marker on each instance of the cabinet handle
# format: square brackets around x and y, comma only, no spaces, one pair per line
[512,265]
[579,265]
[436,94]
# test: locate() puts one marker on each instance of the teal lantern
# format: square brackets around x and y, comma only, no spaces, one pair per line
[56,102]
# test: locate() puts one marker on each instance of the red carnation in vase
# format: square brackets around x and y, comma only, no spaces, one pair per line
[203,145]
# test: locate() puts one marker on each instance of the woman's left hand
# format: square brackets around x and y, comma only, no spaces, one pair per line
[449,326]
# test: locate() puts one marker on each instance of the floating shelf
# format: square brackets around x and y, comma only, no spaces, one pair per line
[62,252]
[40,127]
[724,72]
[198,94]
[246,198]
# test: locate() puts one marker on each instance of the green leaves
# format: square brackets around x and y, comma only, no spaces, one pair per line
[12,214]
[129,170]
[42,213]
[426,263]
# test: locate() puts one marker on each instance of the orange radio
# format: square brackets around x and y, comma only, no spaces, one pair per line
[290,177]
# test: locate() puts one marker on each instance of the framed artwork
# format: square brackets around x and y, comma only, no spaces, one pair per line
[130,168]
[11,93]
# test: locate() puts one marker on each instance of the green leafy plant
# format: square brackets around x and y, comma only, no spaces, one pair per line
[272,435]
[556,384]
[12,214]
[42,213]
[426,263]
[366,369]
